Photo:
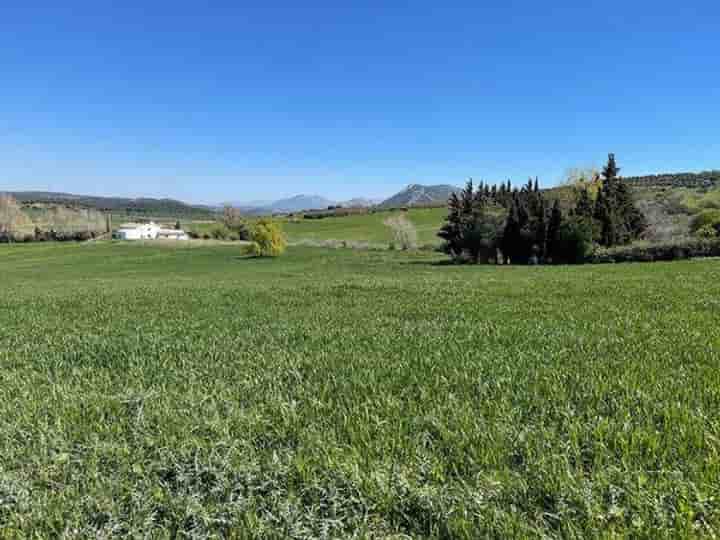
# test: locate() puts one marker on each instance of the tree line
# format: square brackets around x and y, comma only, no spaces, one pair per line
[509,225]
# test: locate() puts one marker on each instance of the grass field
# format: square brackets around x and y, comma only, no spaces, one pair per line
[190,392]
[367,227]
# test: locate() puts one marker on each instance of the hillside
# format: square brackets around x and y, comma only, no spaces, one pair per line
[299,203]
[366,227]
[144,206]
[419,195]
[705,179]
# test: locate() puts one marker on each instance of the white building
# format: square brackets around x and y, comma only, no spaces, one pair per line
[172,234]
[148,231]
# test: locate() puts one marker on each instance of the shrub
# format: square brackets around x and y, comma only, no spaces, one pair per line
[643,252]
[706,231]
[219,233]
[705,219]
[267,239]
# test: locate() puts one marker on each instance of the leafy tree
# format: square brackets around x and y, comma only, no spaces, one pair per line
[233,221]
[11,216]
[404,232]
[574,242]
[267,239]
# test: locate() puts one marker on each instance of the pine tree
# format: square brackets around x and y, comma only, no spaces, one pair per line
[537,185]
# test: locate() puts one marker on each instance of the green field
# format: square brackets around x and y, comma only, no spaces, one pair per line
[191,392]
[367,227]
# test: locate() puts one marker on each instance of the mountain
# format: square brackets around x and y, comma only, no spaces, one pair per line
[298,203]
[143,206]
[419,195]
[359,202]
[301,202]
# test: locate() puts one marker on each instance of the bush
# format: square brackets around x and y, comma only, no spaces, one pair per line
[707,231]
[706,219]
[642,252]
[219,233]
[267,239]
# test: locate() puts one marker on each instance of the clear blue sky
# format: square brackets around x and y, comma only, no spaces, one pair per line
[224,100]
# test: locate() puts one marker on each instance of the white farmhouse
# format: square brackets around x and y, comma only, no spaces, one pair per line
[148,231]
[138,231]
[172,234]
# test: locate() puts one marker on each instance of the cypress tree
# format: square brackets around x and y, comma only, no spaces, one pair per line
[451,231]
[584,207]
[618,218]
[467,200]
[511,235]
[541,229]
[633,220]
[611,170]
[553,230]
[523,210]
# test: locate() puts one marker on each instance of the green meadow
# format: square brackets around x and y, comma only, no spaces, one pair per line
[367,227]
[192,392]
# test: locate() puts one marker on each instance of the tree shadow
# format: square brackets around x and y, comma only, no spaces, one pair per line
[443,262]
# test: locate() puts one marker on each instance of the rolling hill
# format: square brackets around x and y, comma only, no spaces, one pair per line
[419,195]
[144,206]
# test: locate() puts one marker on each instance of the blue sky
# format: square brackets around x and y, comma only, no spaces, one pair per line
[226,100]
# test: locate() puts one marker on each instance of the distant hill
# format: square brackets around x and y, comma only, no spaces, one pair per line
[143,206]
[359,202]
[299,203]
[686,179]
[419,195]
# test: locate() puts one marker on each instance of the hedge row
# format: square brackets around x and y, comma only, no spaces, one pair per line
[658,252]
[48,236]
